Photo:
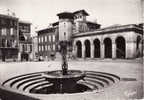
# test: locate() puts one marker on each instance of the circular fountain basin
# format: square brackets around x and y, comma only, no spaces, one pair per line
[64,83]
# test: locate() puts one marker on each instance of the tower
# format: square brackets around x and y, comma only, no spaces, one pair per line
[80,21]
[65,26]
[80,15]
[65,33]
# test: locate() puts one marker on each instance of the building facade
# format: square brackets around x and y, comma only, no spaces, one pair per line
[89,40]
[47,43]
[15,38]
[8,37]
[25,41]
[35,47]
[113,42]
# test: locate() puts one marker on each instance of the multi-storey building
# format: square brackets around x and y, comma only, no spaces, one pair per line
[8,37]
[81,24]
[89,40]
[15,38]
[76,24]
[34,47]
[47,42]
[25,41]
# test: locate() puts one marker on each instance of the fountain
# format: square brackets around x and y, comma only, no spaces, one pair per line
[64,81]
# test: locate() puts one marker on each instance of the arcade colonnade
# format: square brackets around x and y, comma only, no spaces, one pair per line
[114,45]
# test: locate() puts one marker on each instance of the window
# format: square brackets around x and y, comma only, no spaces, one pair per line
[45,47]
[53,46]
[23,48]
[39,39]
[42,48]
[26,48]
[8,43]
[49,38]
[39,48]
[53,38]
[30,48]
[11,31]
[45,38]
[3,31]
[14,43]
[14,31]
[3,42]
[42,39]
[48,47]
[11,43]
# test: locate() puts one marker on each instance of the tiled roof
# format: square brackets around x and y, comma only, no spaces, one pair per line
[130,27]
[81,11]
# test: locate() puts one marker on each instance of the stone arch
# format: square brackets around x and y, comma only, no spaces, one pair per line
[138,46]
[87,48]
[120,47]
[79,49]
[96,43]
[108,47]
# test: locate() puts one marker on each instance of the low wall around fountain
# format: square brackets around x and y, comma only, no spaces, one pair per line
[10,94]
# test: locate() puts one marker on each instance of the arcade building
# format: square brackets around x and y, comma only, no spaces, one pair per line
[89,40]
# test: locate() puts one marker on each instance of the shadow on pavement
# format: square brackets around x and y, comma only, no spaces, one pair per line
[8,95]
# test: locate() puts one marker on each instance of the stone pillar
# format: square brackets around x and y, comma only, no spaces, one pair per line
[141,48]
[83,50]
[130,49]
[75,50]
[102,50]
[92,50]
[113,50]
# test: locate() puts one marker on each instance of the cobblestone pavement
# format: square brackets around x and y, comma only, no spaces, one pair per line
[129,87]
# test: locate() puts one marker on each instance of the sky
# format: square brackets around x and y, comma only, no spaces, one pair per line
[106,12]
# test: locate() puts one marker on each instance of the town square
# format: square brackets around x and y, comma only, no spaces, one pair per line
[81,50]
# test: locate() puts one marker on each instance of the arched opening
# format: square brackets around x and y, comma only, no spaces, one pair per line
[138,46]
[79,49]
[120,47]
[96,48]
[108,48]
[24,56]
[87,48]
